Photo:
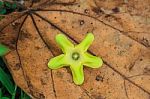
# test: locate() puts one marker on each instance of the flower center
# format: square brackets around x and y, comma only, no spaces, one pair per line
[75,56]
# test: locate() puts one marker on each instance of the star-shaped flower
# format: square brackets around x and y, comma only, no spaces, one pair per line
[75,56]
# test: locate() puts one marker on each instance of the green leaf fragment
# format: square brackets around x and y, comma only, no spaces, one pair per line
[3,50]
[4,79]
[24,95]
[1,4]
[5,98]
[14,93]
[2,11]
[0,93]
[14,6]
[10,5]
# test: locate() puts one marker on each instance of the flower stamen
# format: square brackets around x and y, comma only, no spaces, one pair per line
[75,56]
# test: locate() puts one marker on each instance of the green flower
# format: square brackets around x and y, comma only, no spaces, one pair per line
[3,50]
[75,56]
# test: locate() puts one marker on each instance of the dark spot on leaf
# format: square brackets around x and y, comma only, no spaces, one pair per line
[37,95]
[37,47]
[141,59]
[24,35]
[115,47]
[63,21]
[86,11]
[113,74]
[97,10]
[42,96]
[29,82]
[13,41]
[121,53]
[116,10]
[130,45]
[68,70]
[99,78]
[146,70]
[59,74]
[142,78]
[98,96]
[35,1]
[17,67]
[145,42]
[15,24]
[91,89]
[81,22]
[43,81]
[107,16]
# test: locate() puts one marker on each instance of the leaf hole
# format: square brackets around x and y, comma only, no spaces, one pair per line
[81,22]
[86,11]
[99,78]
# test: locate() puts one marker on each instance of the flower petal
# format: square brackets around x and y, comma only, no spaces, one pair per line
[63,42]
[77,73]
[57,62]
[84,45]
[3,50]
[92,61]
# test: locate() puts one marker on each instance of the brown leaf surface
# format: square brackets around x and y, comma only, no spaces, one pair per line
[122,39]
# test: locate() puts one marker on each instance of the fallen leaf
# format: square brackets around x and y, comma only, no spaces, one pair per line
[125,50]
